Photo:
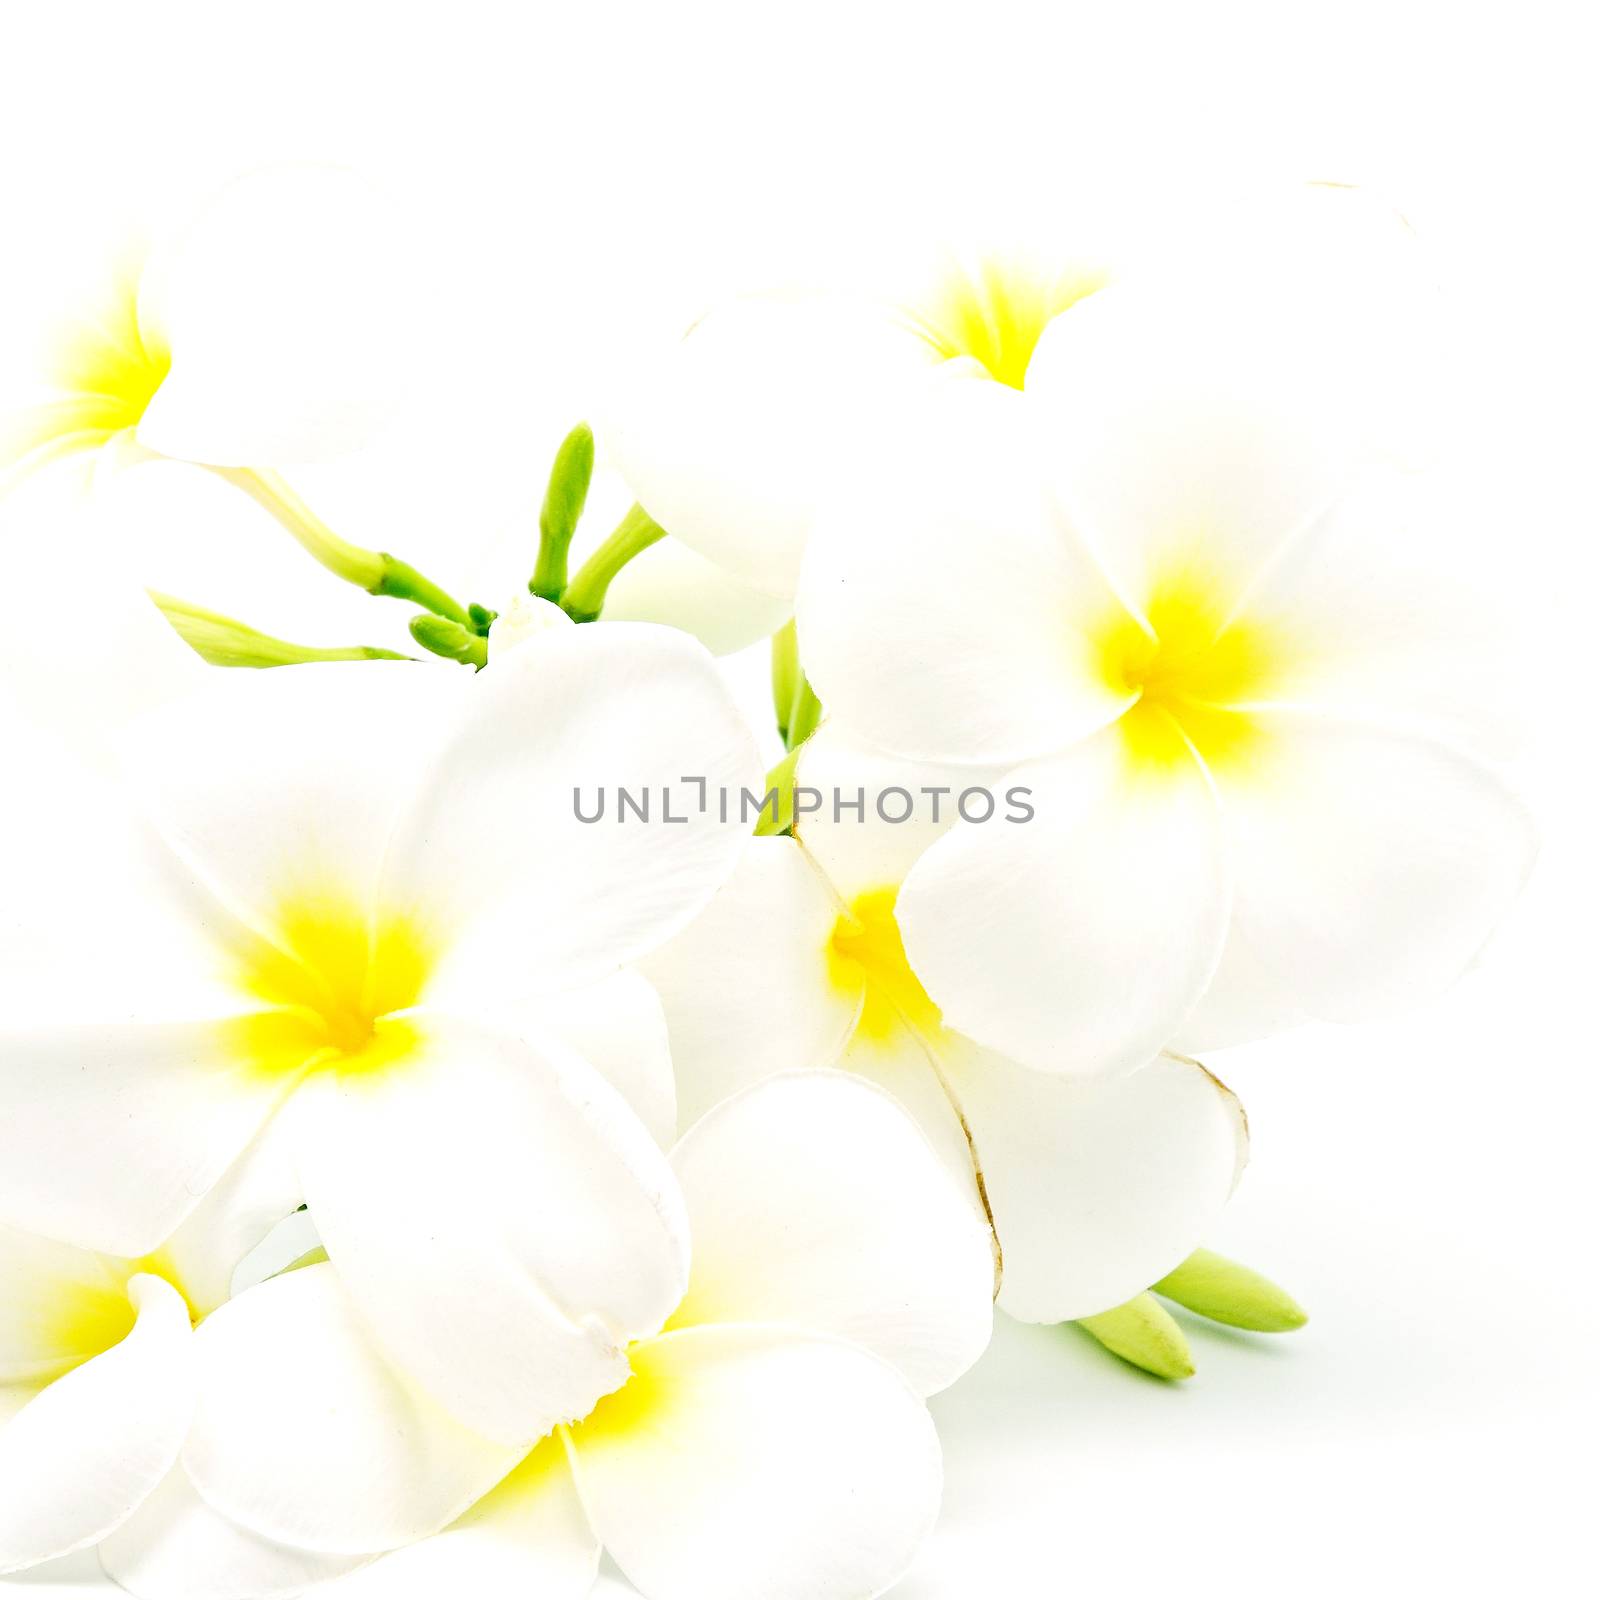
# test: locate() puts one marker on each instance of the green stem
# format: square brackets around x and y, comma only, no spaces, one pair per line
[1144,1334]
[785,676]
[780,778]
[373,570]
[585,597]
[226,643]
[564,498]
[1223,1290]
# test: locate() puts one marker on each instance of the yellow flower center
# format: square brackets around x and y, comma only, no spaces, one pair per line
[86,1315]
[1190,669]
[867,955]
[996,313]
[112,363]
[334,983]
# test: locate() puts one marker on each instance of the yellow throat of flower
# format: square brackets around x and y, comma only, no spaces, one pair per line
[996,312]
[1190,669]
[335,983]
[867,955]
[111,364]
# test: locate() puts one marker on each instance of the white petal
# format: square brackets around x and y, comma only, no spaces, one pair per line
[618,1027]
[1397,606]
[175,1547]
[110,1136]
[80,1458]
[872,849]
[669,583]
[1076,942]
[1098,1188]
[1371,866]
[504,1222]
[746,986]
[291,312]
[1246,1000]
[727,438]
[749,1463]
[527,896]
[1178,441]
[945,611]
[254,1195]
[528,1536]
[305,1436]
[816,1201]
[279,784]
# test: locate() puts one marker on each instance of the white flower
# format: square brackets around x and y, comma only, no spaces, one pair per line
[265,331]
[766,1437]
[97,1370]
[356,902]
[736,437]
[1240,682]
[1096,1189]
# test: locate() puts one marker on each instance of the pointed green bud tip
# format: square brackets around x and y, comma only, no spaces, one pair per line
[1143,1334]
[564,498]
[449,639]
[480,618]
[1225,1291]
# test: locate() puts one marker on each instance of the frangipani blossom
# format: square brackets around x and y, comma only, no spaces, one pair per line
[355,903]
[735,438]
[766,1438]
[729,438]
[97,1366]
[1238,677]
[263,332]
[1095,1189]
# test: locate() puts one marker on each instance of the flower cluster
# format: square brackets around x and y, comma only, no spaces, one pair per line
[413,1177]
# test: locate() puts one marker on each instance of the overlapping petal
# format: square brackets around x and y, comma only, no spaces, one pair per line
[344,1455]
[815,1201]
[1079,941]
[80,1457]
[529,1535]
[501,1219]
[175,1547]
[1098,1188]
[724,436]
[945,614]
[745,986]
[525,896]
[752,1463]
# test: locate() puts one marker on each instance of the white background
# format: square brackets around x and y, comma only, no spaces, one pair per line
[1426,1186]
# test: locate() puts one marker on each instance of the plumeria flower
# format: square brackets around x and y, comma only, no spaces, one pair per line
[356,904]
[733,438]
[229,343]
[1094,1189]
[766,1436]
[97,1364]
[1238,673]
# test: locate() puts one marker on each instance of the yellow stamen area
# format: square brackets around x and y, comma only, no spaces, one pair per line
[866,953]
[86,1316]
[1190,669]
[640,1403]
[996,313]
[334,982]
[111,363]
